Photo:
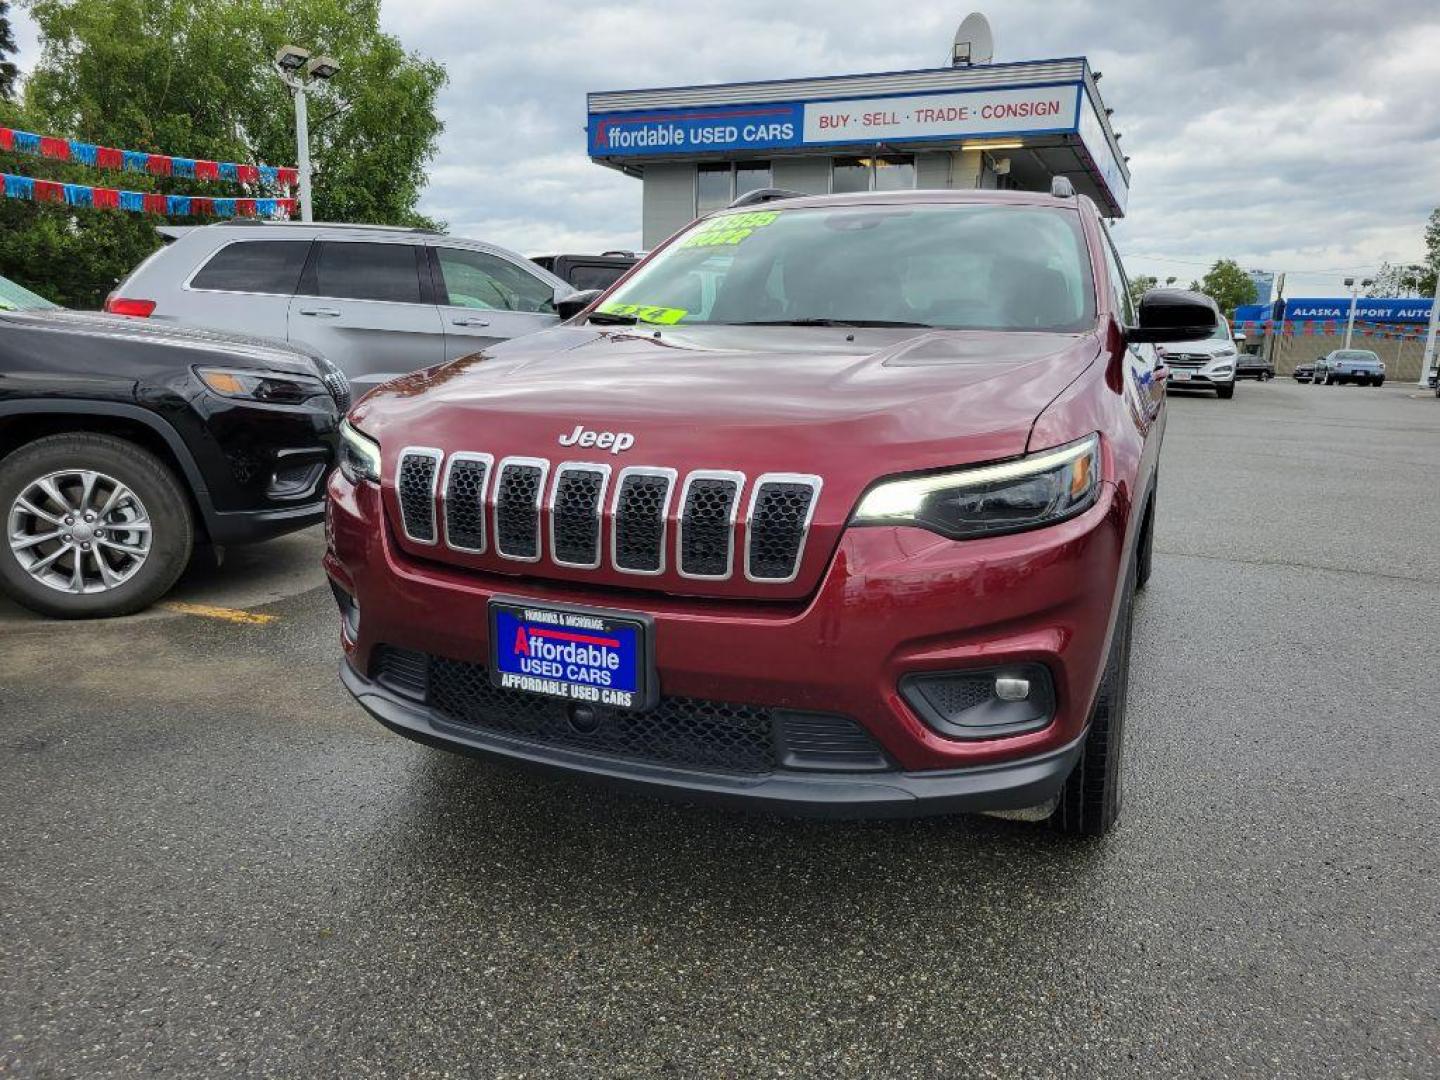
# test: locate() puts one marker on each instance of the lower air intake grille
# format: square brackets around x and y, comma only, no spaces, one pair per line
[710,735]
[415,487]
[779,518]
[640,507]
[575,517]
[517,511]
[465,504]
[401,670]
[706,527]
[824,742]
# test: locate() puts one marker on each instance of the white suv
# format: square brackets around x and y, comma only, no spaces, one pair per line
[1207,364]
[375,300]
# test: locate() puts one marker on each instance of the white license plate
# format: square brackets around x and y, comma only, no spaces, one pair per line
[1180,376]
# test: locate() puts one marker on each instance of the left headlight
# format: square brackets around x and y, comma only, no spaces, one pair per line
[359,455]
[269,387]
[1036,490]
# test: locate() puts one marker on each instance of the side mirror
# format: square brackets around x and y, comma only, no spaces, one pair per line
[1239,338]
[1173,315]
[573,303]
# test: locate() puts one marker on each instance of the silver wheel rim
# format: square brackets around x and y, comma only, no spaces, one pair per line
[79,531]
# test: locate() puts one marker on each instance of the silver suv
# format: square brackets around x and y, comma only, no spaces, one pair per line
[378,301]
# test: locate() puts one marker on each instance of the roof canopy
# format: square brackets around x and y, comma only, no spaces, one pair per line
[1046,115]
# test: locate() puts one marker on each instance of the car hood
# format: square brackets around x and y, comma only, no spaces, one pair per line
[234,350]
[776,399]
[848,408]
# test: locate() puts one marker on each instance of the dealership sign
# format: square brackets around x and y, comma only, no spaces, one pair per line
[1337,309]
[1061,109]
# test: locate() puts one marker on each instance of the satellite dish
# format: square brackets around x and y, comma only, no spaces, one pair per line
[974,43]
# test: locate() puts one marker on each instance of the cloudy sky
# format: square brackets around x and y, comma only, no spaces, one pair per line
[1297,135]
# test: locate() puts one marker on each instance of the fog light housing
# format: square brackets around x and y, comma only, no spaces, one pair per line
[349,612]
[988,703]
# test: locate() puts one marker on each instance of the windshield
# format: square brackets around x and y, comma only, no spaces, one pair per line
[1355,354]
[14,298]
[1221,331]
[951,266]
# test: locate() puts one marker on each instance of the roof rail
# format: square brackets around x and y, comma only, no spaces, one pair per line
[261,223]
[1061,187]
[764,195]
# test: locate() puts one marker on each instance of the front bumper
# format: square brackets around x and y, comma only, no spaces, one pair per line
[1008,786]
[893,602]
[1197,379]
[252,526]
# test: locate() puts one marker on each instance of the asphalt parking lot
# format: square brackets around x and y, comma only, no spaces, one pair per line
[212,861]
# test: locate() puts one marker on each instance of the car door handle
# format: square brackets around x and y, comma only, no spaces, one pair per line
[463,321]
[322,312]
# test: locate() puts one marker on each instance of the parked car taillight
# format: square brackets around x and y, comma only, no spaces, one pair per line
[120,305]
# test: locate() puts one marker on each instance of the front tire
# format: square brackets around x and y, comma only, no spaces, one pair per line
[1378,382]
[1090,800]
[1145,554]
[96,526]
[1226,391]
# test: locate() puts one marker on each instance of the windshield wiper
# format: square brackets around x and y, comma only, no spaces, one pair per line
[837,322]
[609,318]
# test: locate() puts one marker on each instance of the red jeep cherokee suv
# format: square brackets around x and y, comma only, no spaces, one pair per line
[832,505]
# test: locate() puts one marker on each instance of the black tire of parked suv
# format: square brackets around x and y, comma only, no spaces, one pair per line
[1090,800]
[165,501]
[1145,553]
[1378,382]
[1226,391]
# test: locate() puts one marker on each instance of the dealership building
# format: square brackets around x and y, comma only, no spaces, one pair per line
[1295,331]
[985,125]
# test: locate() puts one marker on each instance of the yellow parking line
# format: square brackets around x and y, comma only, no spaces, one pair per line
[209,611]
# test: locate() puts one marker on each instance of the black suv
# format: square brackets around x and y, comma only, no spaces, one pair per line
[124,442]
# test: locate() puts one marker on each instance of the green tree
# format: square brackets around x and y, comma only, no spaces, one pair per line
[175,77]
[8,71]
[1425,279]
[1140,285]
[1227,285]
[1392,280]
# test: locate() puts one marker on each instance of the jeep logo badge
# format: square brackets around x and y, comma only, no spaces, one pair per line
[617,442]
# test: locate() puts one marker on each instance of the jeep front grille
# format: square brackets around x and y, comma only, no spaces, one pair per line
[642,504]
[525,510]
[519,486]
[707,524]
[575,514]
[780,512]
[465,478]
[419,468]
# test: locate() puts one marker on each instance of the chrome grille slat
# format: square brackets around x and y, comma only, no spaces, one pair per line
[464,501]
[576,503]
[705,529]
[417,475]
[518,491]
[777,525]
[639,519]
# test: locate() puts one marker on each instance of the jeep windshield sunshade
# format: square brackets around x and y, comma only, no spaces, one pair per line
[953,266]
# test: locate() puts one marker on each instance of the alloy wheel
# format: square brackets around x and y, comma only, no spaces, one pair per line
[79,531]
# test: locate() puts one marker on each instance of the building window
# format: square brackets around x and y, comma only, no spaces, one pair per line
[718,184]
[890,172]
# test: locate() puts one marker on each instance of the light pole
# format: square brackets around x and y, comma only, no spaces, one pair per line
[296,69]
[1354,297]
[1427,360]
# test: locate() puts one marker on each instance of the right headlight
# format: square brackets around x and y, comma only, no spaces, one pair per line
[1038,489]
[359,455]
